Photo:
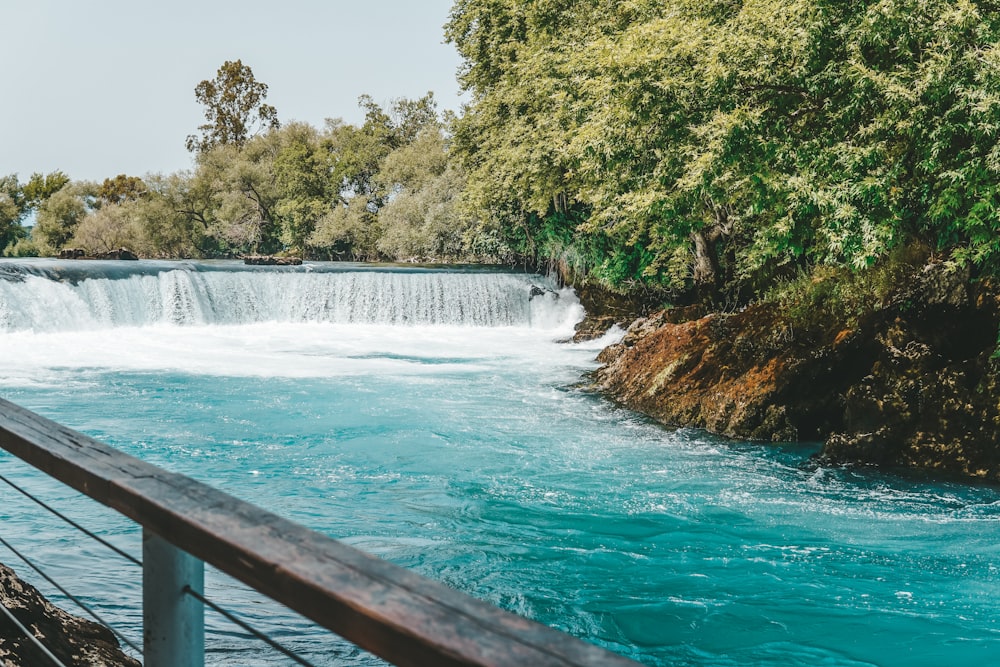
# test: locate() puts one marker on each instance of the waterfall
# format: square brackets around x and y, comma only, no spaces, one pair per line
[51,296]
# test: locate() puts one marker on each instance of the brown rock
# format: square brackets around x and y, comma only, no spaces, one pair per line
[74,640]
[746,375]
[271,260]
[914,385]
[121,253]
[604,309]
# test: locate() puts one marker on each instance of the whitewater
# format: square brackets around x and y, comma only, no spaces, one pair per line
[436,417]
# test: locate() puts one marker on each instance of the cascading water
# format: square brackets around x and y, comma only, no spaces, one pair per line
[430,417]
[45,300]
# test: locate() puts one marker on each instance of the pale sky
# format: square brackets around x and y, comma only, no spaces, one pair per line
[101,87]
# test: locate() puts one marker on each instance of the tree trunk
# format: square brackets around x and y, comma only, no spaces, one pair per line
[706,265]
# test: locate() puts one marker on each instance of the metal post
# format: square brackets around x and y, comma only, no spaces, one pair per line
[173,622]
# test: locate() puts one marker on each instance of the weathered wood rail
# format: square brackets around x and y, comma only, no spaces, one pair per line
[392,612]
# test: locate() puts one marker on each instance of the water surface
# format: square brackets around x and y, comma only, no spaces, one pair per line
[432,418]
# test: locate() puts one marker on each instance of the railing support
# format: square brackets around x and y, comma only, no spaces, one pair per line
[395,613]
[173,622]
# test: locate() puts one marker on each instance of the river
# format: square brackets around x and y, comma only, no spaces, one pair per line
[434,418]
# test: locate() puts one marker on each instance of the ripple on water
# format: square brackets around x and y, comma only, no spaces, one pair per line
[466,457]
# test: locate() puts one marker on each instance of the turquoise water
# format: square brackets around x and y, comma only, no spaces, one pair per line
[455,441]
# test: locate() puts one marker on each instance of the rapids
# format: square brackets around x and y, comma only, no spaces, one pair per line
[431,417]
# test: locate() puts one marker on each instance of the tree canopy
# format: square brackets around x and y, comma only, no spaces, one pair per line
[713,146]
[234,108]
[717,142]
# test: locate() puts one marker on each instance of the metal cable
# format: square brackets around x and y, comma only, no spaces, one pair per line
[41,647]
[253,631]
[69,595]
[127,556]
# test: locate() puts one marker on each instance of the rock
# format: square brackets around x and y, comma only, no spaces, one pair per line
[74,640]
[271,260]
[914,385]
[747,375]
[77,253]
[931,400]
[121,253]
[604,309]
[538,291]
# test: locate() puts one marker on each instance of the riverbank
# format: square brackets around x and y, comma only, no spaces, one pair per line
[911,384]
[71,639]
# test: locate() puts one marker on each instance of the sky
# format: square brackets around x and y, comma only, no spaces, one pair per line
[105,87]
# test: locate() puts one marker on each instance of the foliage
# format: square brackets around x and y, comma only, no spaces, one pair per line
[24,247]
[42,186]
[720,144]
[109,228]
[830,294]
[234,108]
[121,189]
[398,188]
[18,200]
[58,217]
[11,211]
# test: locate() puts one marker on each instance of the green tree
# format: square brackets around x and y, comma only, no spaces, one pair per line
[17,200]
[234,108]
[11,211]
[713,144]
[109,228]
[163,223]
[349,231]
[307,191]
[58,217]
[121,188]
[421,219]
[357,155]
[42,186]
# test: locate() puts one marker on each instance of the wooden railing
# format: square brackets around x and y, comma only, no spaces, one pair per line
[392,612]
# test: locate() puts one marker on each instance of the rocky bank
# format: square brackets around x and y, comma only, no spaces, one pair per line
[74,640]
[913,384]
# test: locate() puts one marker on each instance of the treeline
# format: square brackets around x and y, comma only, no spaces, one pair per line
[717,146]
[727,143]
[385,190]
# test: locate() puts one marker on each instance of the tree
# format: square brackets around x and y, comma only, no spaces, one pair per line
[234,108]
[111,227]
[421,220]
[121,188]
[18,200]
[357,156]
[11,211]
[58,216]
[40,187]
[715,144]
[307,191]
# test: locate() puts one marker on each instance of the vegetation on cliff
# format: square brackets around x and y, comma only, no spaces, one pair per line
[724,144]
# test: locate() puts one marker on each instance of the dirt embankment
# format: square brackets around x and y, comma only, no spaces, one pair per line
[913,384]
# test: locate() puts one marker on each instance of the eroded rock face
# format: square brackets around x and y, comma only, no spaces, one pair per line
[932,398]
[746,375]
[74,640]
[913,385]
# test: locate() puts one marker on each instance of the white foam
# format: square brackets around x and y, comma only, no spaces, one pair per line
[190,297]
